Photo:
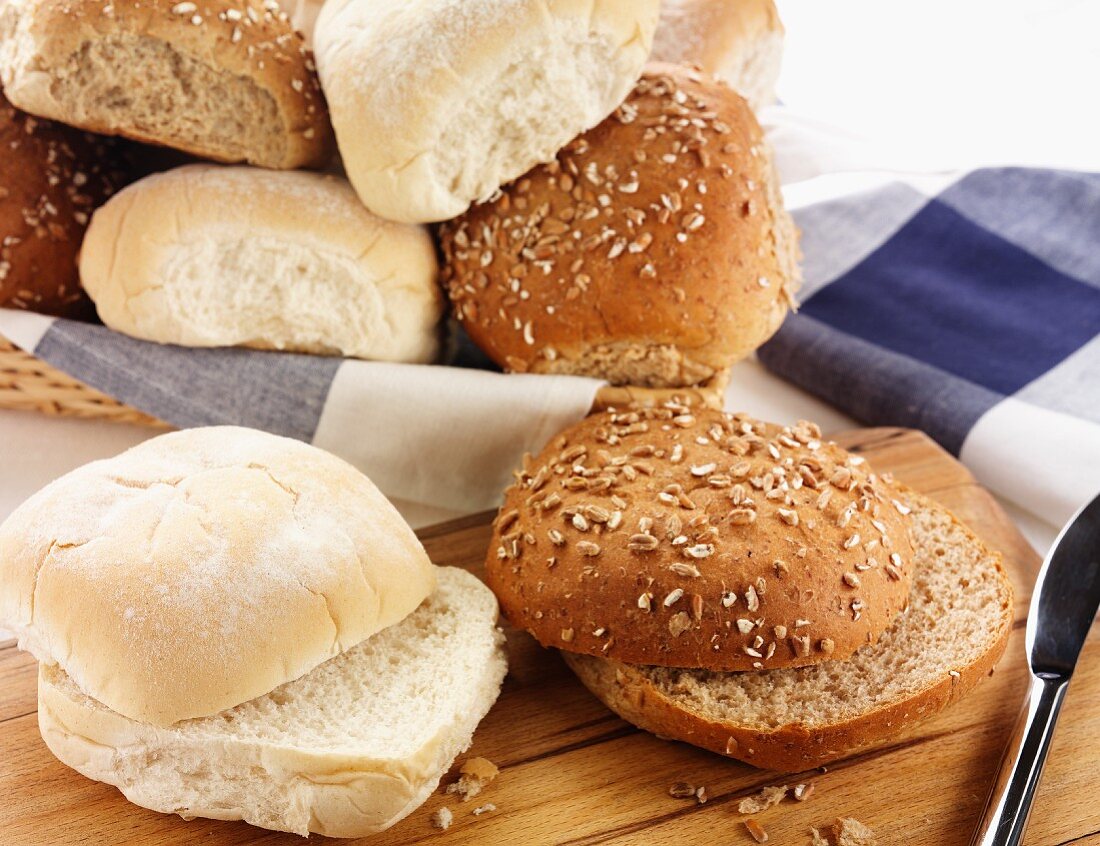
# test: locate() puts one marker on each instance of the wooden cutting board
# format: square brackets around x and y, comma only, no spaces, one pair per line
[572,773]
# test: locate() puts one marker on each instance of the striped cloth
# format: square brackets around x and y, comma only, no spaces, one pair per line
[967,306]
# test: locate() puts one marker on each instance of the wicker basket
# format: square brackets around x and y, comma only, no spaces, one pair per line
[32,385]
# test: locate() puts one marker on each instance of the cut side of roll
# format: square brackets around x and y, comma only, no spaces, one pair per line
[954,631]
[209,256]
[224,79]
[347,750]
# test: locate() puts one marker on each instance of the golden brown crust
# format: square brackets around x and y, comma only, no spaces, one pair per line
[793,747]
[51,180]
[653,251]
[245,39]
[694,538]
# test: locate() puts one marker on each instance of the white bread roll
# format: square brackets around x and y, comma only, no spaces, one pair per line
[209,256]
[738,41]
[203,568]
[347,750]
[437,103]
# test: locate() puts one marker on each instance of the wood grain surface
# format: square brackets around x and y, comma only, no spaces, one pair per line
[572,773]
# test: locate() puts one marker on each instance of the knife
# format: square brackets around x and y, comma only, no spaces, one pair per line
[1063,608]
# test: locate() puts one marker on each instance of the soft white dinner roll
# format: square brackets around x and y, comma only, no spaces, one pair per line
[204,568]
[346,750]
[738,41]
[437,103]
[209,256]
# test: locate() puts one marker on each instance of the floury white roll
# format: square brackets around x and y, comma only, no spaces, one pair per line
[210,256]
[235,625]
[437,103]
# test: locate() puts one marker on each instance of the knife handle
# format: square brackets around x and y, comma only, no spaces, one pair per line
[1006,813]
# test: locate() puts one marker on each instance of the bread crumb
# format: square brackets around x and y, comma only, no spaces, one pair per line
[818,839]
[484,809]
[701,795]
[763,800]
[851,832]
[756,830]
[442,818]
[681,790]
[802,792]
[475,774]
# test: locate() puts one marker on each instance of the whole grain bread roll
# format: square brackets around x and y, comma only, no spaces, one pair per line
[953,633]
[739,41]
[437,103]
[211,256]
[52,178]
[653,251]
[694,538]
[228,80]
[203,568]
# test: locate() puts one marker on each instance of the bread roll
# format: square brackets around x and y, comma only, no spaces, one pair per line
[739,41]
[51,179]
[954,632]
[437,103]
[693,538]
[203,568]
[212,256]
[223,79]
[654,251]
[347,750]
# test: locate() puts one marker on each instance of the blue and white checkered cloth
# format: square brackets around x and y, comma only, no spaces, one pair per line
[970,310]
[972,313]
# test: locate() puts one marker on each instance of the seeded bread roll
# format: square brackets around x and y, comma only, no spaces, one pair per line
[203,568]
[955,630]
[437,103]
[700,539]
[740,41]
[653,251]
[52,178]
[223,79]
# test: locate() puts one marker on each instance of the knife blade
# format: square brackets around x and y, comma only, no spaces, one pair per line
[1062,611]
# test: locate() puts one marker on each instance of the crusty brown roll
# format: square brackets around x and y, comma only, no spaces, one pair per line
[696,538]
[740,41]
[223,79]
[52,178]
[654,251]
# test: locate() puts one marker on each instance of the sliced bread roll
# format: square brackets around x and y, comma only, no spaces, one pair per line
[209,256]
[345,751]
[223,79]
[955,630]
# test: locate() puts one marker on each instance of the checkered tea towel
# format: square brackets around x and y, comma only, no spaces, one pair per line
[970,310]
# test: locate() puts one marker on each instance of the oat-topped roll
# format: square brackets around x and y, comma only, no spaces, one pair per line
[653,251]
[695,538]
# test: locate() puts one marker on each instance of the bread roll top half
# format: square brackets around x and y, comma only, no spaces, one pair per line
[203,568]
[653,251]
[694,538]
[238,256]
[437,103]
